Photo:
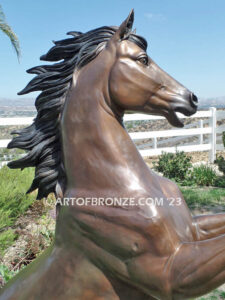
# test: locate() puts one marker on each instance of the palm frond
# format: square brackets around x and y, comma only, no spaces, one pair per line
[4,27]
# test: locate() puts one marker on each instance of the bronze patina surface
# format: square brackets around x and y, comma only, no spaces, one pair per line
[81,149]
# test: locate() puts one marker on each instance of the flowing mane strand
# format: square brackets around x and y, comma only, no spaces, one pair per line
[42,139]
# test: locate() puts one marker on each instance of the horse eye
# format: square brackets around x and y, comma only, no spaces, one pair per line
[143,60]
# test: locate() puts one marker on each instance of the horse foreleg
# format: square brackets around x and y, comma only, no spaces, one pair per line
[197,268]
[61,274]
[209,226]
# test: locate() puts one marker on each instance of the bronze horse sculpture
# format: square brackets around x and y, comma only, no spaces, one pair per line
[81,149]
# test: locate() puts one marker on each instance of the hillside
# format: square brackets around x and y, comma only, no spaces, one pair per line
[218,102]
[25,106]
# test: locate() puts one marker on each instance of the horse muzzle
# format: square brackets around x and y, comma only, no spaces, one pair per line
[187,106]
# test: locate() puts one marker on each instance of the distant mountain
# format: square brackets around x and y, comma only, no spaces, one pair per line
[218,102]
[19,102]
[25,104]
[20,107]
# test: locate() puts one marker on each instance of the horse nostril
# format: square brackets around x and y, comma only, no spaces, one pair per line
[194,99]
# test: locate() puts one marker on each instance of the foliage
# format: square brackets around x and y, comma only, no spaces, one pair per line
[215,295]
[223,138]
[177,166]
[7,237]
[203,175]
[9,154]
[6,274]
[220,182]
[13,200]
[31,237]
[4,27]
[35,230]
[220,161]
[197,197]
[37,236]
[174,165]
[13,187]
[132,124]
[46,230]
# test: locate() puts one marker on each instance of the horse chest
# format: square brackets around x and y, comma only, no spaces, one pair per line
[177,219]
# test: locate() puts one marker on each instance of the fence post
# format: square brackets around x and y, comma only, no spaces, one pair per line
[201,135]
[155,143]
[212,152]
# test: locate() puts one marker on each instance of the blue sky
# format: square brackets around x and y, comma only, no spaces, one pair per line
[186,37]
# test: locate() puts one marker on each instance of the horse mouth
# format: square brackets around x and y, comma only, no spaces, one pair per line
[187,105]
[173,118]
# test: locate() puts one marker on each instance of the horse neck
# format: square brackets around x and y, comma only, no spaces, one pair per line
[98,152]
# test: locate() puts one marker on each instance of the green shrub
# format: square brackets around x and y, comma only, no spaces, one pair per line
[220,161]
[7,238]
[174,165]
[177,166]
[203,175]
[223,138]
[220,182]
[6,273]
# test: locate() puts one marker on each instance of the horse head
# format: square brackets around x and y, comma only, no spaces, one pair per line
[137,83]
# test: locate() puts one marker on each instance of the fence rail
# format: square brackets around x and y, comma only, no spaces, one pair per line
[15,121]
[212,130]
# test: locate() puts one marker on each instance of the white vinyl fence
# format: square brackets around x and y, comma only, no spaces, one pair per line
[211,131]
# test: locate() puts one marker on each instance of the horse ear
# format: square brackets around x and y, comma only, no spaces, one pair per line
[125,27]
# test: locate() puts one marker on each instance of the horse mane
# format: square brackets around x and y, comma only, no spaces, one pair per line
[42,139]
